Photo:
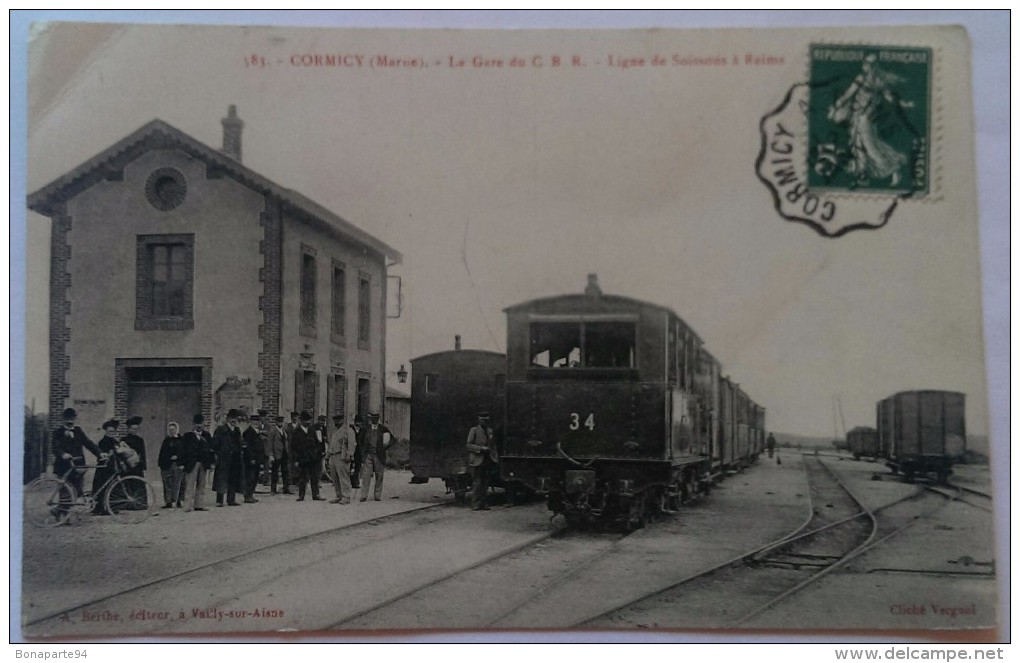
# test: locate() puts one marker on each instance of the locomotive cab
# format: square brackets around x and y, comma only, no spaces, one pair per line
[604,412]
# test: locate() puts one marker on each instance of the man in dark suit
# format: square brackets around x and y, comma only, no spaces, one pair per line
[252,450]
[198,458]
[481,457]
[372,444]
[278,454]
[69,442]
[227,445]
[307,453]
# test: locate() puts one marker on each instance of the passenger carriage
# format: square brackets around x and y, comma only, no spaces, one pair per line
[448,389]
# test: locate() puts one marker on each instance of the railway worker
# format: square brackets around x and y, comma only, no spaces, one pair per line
[135,441]
[277,453]
[196,448]
[171,466]
[770,444]
[227,446]
[307,453]
[252,448]
[338,459]
[372,444]
[481,457]
[69,443]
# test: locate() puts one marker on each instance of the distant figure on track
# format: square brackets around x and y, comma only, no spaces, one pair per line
[770,444]
[481,457]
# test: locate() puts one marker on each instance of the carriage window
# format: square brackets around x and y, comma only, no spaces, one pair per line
[431,383]
[583,345]
[609,344]
[556,344]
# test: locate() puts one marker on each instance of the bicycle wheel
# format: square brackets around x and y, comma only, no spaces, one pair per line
[130,500]
[47,502]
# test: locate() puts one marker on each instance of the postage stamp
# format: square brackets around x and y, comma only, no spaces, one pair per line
[844,148]
[868,119]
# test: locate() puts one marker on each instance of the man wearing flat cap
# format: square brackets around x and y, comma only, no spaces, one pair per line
[135,441]
[307,453]
[196,447]
[338,458]
[372,444]
[278,455]
[69,442]
[481,457]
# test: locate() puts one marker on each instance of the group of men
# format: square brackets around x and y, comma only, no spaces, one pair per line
[351,456]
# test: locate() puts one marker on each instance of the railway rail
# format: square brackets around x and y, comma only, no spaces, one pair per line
[740,589]
[409,517]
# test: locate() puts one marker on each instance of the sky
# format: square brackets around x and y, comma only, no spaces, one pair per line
[500,184]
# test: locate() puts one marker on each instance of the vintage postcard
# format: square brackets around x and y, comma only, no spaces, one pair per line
[351,332]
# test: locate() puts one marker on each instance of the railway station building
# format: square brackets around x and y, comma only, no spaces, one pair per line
[182,281]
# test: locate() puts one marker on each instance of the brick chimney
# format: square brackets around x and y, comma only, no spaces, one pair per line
[456,342]
[232,126]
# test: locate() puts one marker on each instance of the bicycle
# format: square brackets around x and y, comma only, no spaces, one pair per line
[50,500]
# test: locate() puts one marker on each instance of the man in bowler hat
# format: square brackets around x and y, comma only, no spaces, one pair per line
[307,453]
[372,451]
[69,442]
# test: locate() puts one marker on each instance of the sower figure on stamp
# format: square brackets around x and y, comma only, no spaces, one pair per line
[196,447]
[481,457]
[278,455]
[227,445]
[338,454]
[69,442]
[307,453]
[171,466]
[372,445]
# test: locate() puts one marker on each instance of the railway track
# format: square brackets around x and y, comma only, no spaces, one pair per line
[975,498]
[737,590]
[376,529]
[499,587]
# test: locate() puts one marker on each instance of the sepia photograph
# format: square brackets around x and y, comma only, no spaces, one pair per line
[376,332]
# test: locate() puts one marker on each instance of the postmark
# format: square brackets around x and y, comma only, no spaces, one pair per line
[846,147]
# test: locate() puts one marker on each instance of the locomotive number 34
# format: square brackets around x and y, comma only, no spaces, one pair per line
[575,421]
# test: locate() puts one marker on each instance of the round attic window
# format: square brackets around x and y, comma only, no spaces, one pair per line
[166,188]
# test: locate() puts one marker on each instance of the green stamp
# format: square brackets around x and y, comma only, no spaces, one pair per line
[868,119]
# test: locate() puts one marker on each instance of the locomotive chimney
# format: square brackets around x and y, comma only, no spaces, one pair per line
[593,289]
[232,126]
[456,342]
